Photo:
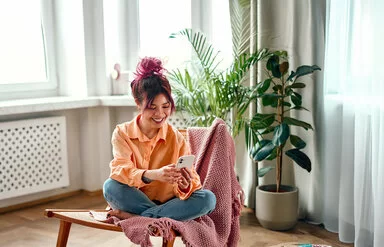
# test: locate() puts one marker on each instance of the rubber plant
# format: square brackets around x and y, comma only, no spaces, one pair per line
[280,91]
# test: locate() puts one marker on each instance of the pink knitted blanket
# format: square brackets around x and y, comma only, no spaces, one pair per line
[215,159]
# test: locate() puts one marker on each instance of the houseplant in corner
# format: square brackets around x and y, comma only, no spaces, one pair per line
[277,204]
[205,92]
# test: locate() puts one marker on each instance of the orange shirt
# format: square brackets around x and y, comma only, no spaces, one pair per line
[135,153]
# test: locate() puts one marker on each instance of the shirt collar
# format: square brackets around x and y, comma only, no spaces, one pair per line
[134,131]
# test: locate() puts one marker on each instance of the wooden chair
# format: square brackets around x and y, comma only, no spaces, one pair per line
[82,217]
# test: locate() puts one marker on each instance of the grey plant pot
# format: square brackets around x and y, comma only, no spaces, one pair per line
[277,211]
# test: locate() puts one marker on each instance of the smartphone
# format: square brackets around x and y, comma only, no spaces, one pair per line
[185,161]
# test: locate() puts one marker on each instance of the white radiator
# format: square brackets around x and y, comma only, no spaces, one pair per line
[33,156]
[178,121]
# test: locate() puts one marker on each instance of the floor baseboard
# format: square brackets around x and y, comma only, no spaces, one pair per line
[48,199]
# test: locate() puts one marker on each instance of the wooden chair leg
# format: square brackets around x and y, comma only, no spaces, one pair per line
[62,238]
[169,243]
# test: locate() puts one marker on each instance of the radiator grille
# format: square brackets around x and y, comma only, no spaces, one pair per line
[178,121]
[33,156]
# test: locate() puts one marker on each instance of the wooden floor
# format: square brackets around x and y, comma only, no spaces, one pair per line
[29,227]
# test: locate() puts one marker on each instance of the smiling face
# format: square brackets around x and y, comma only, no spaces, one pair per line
[154,116]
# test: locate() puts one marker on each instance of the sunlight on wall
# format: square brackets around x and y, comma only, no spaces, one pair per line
[158,19]
[22,45]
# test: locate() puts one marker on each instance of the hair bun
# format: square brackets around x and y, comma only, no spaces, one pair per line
[147,67]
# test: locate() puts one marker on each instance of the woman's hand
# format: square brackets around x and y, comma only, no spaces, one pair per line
[168,174]
[184,180]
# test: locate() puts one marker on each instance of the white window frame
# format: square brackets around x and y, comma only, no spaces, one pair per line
[200,13]
[49,86]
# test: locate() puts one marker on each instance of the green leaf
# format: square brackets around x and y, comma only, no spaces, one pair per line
[262,121]
[207,56]
[290,77]
[303,70]
[270,99]
[297,85]
[263,86]
[256,148]
[297,142]
[281,134]
[248,135]
[285,103]
[268,130]
[292,121]
[264,151]
[296,99]
[277,88]
[297,95]
[288,91]
[274,66]
[251,136]
[300,108]
[273,155]
[276,71]
[272,61]
[264,170]
[300,158]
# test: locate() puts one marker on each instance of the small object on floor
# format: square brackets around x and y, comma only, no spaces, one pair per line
[99,215]
[293,244]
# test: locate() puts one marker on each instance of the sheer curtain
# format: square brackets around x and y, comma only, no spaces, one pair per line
[297,26]
[353,150]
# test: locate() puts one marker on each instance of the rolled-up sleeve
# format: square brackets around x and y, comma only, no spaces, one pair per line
[123,169]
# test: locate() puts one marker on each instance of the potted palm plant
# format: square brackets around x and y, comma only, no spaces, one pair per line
[204,92]
[277,204]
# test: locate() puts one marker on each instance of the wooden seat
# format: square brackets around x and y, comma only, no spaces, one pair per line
[82,217]
[199,146]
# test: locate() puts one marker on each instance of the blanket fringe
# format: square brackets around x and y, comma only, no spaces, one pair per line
[238,203]
[162,228]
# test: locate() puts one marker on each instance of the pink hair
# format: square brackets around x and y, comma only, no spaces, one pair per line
[150,81]
[147,67]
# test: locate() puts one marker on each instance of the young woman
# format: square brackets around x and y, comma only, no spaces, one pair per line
[144,179]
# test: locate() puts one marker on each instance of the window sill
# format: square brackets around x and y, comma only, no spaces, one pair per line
[11,107]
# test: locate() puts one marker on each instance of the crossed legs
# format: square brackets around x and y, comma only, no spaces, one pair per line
[126,200]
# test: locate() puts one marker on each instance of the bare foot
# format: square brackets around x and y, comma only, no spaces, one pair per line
[120,214]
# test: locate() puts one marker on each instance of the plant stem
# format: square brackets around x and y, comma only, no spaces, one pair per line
[280,118]
[278,168]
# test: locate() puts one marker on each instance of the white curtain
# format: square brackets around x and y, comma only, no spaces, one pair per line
[297,26]
[353,150]
[345,190]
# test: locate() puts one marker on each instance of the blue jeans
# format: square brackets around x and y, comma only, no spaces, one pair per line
[132,200]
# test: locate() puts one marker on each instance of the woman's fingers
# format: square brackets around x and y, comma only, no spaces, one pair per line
[185,178]
[186,174]
[169,174]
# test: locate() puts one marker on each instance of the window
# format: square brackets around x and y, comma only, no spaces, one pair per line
[26,48]
[157,20]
